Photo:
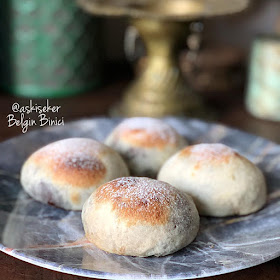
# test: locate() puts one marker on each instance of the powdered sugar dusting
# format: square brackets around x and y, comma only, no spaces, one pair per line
[85,145]
[153,127]
[83,161]
[79,153]
[210,151]
[139,198]
[134,189]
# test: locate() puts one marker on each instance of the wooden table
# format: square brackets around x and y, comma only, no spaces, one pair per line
[230,112]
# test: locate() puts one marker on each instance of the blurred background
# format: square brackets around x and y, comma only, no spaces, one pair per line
[84,63]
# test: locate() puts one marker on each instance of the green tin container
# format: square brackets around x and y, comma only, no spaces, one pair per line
[48,48]
[263,93]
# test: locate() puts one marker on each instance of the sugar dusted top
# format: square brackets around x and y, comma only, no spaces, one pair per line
[209,152]
[72,145]
[74,161]
[147,132]
[139,199]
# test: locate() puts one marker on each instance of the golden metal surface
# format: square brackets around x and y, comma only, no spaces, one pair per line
[161,89]
[183,10]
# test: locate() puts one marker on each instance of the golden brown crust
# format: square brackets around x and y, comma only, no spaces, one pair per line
[134,202]
[65,173]
[75,198]
[82,173]
[186,151]
[120,217]
[147,133]
[143,138]
[216,153]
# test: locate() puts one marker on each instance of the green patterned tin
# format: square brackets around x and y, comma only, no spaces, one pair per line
[263,93]
[48,48]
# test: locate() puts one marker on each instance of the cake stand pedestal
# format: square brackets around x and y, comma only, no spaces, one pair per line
[160,89]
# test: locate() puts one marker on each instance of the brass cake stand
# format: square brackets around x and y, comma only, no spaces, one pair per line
[161,89]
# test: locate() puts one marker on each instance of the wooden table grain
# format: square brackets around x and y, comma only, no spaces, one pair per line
[230,111]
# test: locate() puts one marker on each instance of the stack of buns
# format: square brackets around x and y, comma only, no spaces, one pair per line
[140,216]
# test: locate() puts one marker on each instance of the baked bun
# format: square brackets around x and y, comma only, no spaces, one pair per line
[66,172]
[221,182]
[138,216]
[145,144]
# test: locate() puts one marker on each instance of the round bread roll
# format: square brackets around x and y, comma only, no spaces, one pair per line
[144,217]
[145,144]
[221,182]
[66,172]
